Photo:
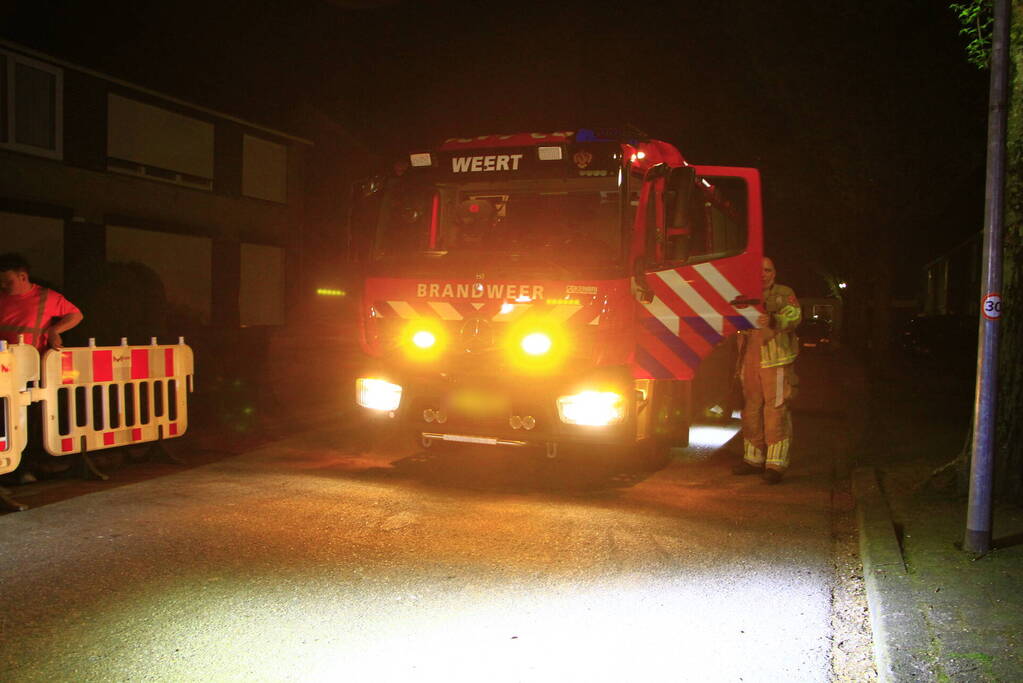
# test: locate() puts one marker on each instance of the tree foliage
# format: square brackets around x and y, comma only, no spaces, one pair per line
[1009,436]
[977,19]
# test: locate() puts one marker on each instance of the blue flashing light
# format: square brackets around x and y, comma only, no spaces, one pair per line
[606,135]
[588,135]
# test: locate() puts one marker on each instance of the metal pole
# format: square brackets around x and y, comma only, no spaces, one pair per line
[978,519]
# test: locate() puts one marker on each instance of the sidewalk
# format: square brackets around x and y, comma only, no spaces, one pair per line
[937,613]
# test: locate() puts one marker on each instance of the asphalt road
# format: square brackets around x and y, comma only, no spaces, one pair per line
[307,560]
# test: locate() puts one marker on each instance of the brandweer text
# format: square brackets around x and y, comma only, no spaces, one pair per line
[470,291]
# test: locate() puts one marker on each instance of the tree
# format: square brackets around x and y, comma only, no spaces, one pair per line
[977,23]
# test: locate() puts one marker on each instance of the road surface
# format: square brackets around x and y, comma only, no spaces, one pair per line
[306,559]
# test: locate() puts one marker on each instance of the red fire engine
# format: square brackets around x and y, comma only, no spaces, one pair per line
[555,291]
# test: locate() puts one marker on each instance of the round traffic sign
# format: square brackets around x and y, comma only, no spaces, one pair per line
[991,306]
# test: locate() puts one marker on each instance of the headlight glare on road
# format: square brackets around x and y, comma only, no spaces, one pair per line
[377,394]
[592,408]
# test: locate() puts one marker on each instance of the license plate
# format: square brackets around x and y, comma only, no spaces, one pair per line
[475,403]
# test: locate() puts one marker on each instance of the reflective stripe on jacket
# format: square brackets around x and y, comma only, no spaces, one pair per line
[779,345]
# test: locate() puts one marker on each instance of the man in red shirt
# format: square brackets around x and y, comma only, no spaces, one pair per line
[28,309]
[39,315]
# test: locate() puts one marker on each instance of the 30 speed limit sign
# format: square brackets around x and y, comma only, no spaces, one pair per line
[991,306]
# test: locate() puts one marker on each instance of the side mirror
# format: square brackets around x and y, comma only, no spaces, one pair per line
[363,211]
[368,187]
[644,292]
[656,171]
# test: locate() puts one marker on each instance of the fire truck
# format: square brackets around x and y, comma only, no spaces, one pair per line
[553,292]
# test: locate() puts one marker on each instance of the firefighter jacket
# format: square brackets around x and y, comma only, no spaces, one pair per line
[777,342]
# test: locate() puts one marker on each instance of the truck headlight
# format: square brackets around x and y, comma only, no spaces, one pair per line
[592,408]
[377,394]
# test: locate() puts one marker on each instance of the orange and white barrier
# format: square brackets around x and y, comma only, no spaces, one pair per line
[19,365]
[107,396]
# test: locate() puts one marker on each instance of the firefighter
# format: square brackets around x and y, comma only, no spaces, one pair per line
[766,357]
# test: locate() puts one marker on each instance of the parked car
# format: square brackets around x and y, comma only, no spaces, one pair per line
[814,333]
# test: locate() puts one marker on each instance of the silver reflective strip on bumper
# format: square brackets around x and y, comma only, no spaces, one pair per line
[462,438]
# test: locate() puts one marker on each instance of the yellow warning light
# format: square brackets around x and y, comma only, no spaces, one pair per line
[536,344]
[424,339]
[325,291]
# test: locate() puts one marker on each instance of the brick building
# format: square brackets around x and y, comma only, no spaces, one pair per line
[158,217]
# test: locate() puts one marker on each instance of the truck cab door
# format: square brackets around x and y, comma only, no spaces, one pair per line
[702,264]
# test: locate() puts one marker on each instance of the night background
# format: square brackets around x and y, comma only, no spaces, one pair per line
[182,171]
[865,119]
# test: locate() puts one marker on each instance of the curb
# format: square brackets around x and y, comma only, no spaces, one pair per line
[900,634]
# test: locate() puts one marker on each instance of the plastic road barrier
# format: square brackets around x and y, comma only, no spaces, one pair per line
[108,396]
[19,365]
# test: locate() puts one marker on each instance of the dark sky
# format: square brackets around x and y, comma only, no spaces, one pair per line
[864,118]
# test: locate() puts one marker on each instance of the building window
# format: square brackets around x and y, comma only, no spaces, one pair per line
[158,144]
[261,287]
[31,100]
[184,264]
[264,170]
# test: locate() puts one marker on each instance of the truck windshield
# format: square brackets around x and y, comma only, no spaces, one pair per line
[566,223]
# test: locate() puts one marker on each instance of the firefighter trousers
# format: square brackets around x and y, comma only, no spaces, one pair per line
[766,422]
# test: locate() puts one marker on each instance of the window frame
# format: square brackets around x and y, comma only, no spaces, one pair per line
[448,195]
[709,213]
[13,59]
[144,169]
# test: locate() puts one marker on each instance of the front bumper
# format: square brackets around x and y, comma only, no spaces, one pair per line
[507,410]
